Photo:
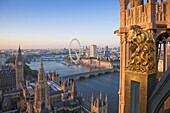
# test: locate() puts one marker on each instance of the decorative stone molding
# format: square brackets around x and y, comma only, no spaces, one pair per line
[123,38]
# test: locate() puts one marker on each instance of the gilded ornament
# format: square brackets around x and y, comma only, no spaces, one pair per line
[141,44]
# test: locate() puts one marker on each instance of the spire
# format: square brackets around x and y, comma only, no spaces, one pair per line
[41,63]
[57,74]
[73,85]
[41,71]
[19,50]
[100,95]
[106,99]
[73,90]
[97,102]
[92,99]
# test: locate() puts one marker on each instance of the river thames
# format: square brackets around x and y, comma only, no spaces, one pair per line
[107,84]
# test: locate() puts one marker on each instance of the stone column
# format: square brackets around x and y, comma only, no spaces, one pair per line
[151,14]
[156,55]
[168,13]
[165,59]
[122,55]
[166,56]
[145,81]
[127,53]
[122,73]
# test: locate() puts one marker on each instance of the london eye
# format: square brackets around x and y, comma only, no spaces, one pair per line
[77,51]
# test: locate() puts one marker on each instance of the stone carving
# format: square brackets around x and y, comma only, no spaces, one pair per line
[141,44]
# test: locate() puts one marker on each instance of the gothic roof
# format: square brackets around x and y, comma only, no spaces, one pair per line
[7,102]
[55,92]
[59,104]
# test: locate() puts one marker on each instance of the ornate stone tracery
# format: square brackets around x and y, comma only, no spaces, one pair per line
[141,44]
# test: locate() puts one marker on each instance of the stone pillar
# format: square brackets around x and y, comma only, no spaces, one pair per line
[165,59]
[122,14]
[156,56]
[166,56]
[151,14]
[123,60]
[168,13]
[123,56]
[145,81]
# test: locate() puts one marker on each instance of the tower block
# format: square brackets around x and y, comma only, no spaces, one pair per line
[140,72]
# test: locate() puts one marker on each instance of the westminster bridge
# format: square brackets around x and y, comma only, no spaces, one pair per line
[37,59]
[85,75]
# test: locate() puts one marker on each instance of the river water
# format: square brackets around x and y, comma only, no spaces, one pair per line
[107,84]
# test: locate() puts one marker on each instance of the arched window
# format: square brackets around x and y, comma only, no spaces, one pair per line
[128,6]
[161,0]
[158,1]
[159,8]
[145,1]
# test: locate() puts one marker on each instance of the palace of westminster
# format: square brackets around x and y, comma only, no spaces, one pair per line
[144,42]
[47,95]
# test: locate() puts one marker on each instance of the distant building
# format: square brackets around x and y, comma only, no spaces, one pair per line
[99,105]
[100,55]
[67,85]
[3,60]
[54,77]
[106,48]
[107,53]
[87,54]
[7,77]
[93,51]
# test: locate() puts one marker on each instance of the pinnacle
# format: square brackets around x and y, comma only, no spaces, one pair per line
[41,63]
[19,50]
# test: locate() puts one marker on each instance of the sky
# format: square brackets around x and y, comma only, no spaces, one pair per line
[54,23]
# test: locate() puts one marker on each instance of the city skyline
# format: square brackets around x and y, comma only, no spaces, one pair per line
[52,24]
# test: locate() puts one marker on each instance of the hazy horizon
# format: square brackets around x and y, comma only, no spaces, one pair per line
[36,24]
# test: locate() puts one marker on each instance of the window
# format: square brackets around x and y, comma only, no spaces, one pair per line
[128,6]
[158,1]
[159,8]
[145,1]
